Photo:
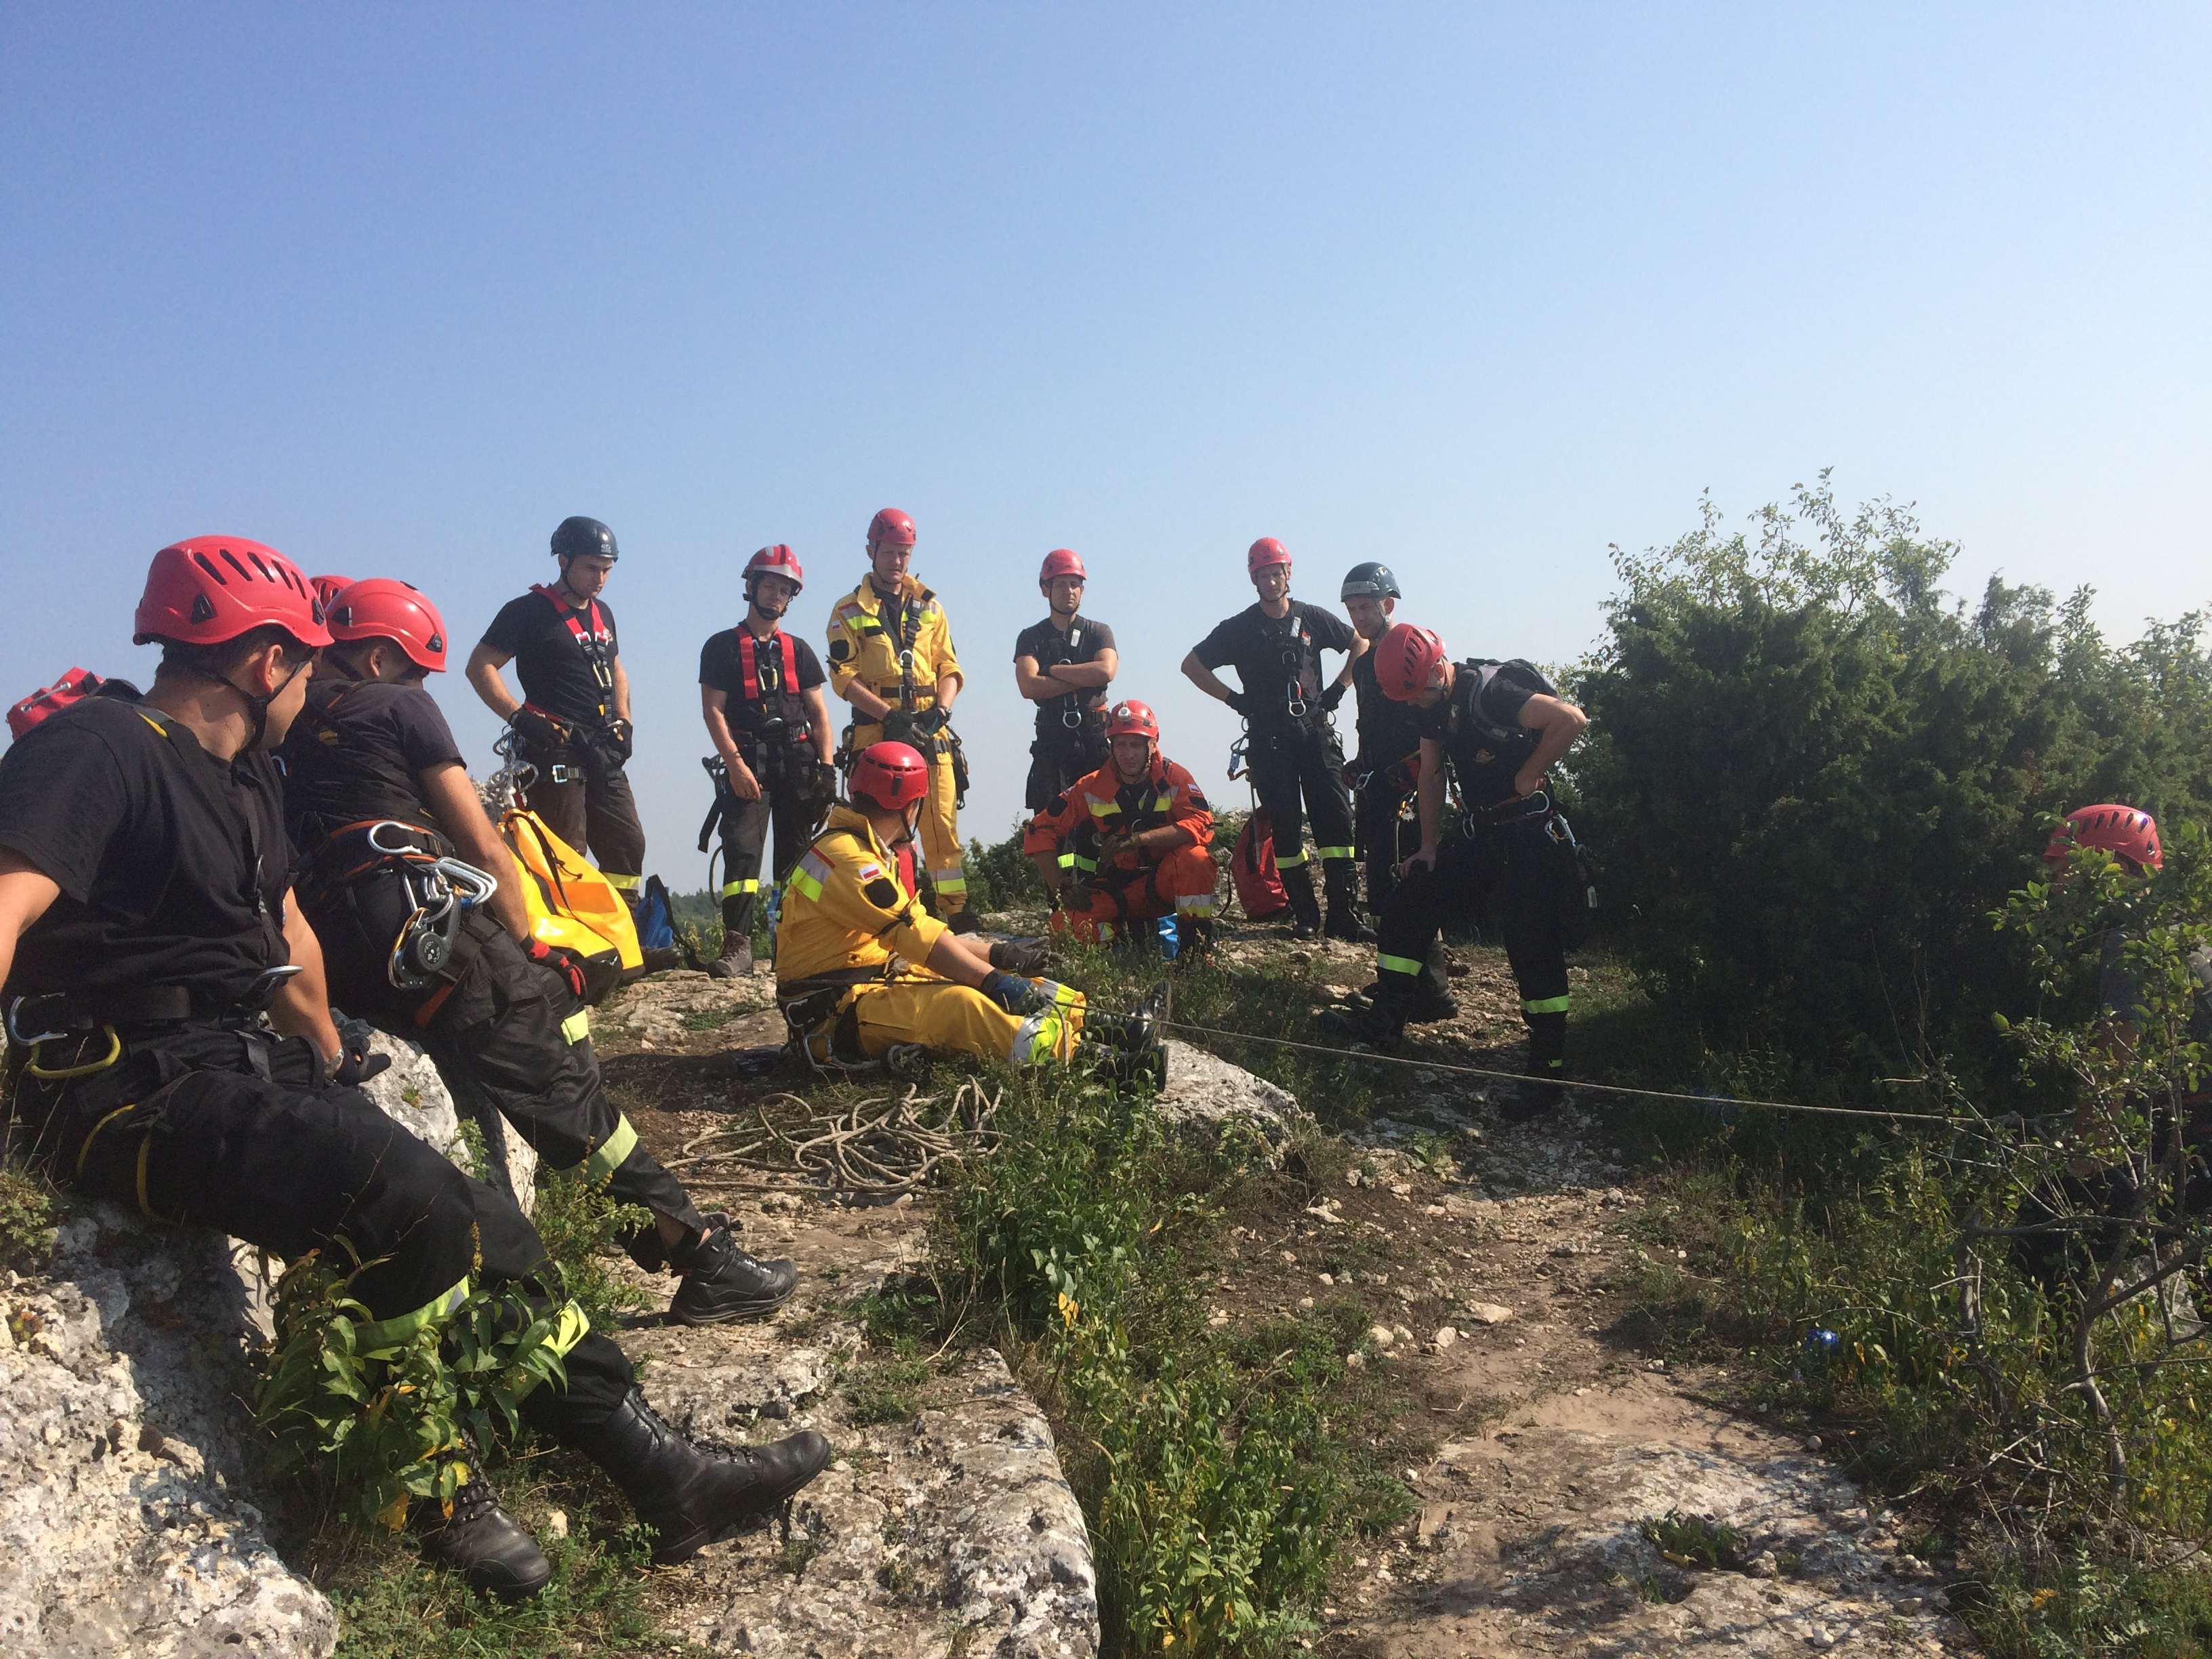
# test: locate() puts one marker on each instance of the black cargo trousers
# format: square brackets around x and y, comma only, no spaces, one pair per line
[786,803]
[1386,836]
[584,795]
[1516,870]
[203,1123]
[1297,772]
[505,1027]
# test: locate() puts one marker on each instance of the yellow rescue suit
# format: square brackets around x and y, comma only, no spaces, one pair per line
[847,951]
[900,649]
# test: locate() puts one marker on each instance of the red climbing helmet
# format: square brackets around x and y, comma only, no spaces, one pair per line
[382,609]
[2121,831]
[1130,718]
[890,777]
[208,589]
[777,561]
[890,528]
[1264,552]
[1062,561]
[1405,659]
[327,589]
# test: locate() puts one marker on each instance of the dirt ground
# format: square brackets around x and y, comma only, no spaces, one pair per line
[1542,1439]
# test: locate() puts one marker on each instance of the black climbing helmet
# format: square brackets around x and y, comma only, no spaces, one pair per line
[1370,580]
[578,537]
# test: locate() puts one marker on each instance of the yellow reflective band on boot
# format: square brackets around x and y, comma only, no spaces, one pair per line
[1038,1039]
[577,1026]
[1547,1005]
[1398,964]
[385,1337]
[621,883]
[734,888]
[1325,854]
[607,1157]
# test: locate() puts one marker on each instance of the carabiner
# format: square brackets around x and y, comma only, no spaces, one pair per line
[1072,719]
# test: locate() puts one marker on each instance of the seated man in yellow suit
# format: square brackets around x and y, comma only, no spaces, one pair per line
[862,968]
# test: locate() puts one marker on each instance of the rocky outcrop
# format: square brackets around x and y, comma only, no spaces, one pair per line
[1217,1102]
[125,1437]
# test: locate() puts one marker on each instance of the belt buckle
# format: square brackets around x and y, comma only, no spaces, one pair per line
[558,773]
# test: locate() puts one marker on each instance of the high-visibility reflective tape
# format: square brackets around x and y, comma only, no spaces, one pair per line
[1100,809]
[1198,904]
[1067,861]
[382,1337]
[577,1026]
[1083,863]
[950,881]
[1325,854]
[808,875]
[607,1157]
[1399,964]
[621,883]
[1036,1039]
[1289,860]
[1547,1005]
[738,888]
[1555,1065]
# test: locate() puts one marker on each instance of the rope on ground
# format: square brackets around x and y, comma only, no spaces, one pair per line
[878,1147]
[1709,1101]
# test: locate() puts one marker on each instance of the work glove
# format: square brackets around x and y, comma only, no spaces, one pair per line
[1240,702]
[1333,696]
[539,730]
[899,726]
[356,1062]
[559,964]
[1016,995]
[931,721]
[623,736]
[1020,955]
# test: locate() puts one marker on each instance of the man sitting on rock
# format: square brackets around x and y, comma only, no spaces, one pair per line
[180,1055]
[863,971]
[376,795]
[1136,832]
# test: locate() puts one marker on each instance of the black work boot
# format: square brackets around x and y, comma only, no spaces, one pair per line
[692,1498]
[480,1542]
[962,920]
[736,960]
[722,1282]
[1133,1046]
[1381,1026]
[1341,880]
[1305,909]
[1531,1098]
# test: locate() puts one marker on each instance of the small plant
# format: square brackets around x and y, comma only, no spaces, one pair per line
[885,1394]
[1695,1540]
[709,1019]
[382,1413]
[26,1214]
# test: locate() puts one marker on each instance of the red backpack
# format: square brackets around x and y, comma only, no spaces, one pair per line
[1252,870]
[73,687]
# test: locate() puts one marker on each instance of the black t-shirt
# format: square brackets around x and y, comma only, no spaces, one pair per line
[173,865]
[1082,643]
[1272,655]
[1389,731]
[563,675]
[357,752]
[722,667]
[1479,727]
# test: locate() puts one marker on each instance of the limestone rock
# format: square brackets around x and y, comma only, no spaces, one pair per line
[125,1440]
[668,1009]
[1210,1097]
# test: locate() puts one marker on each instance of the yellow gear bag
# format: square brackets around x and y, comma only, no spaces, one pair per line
[573,908]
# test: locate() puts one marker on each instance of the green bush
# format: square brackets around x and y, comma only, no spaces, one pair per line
[1000,876]
[1810,775]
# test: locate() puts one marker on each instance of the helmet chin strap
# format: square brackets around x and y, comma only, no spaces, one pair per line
[753,598]
[258,705]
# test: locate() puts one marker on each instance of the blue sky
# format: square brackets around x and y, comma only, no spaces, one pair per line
[1473,290]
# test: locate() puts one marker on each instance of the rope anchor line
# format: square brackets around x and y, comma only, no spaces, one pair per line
[1706,1101]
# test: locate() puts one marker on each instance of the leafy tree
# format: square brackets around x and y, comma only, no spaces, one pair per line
[1812,774]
